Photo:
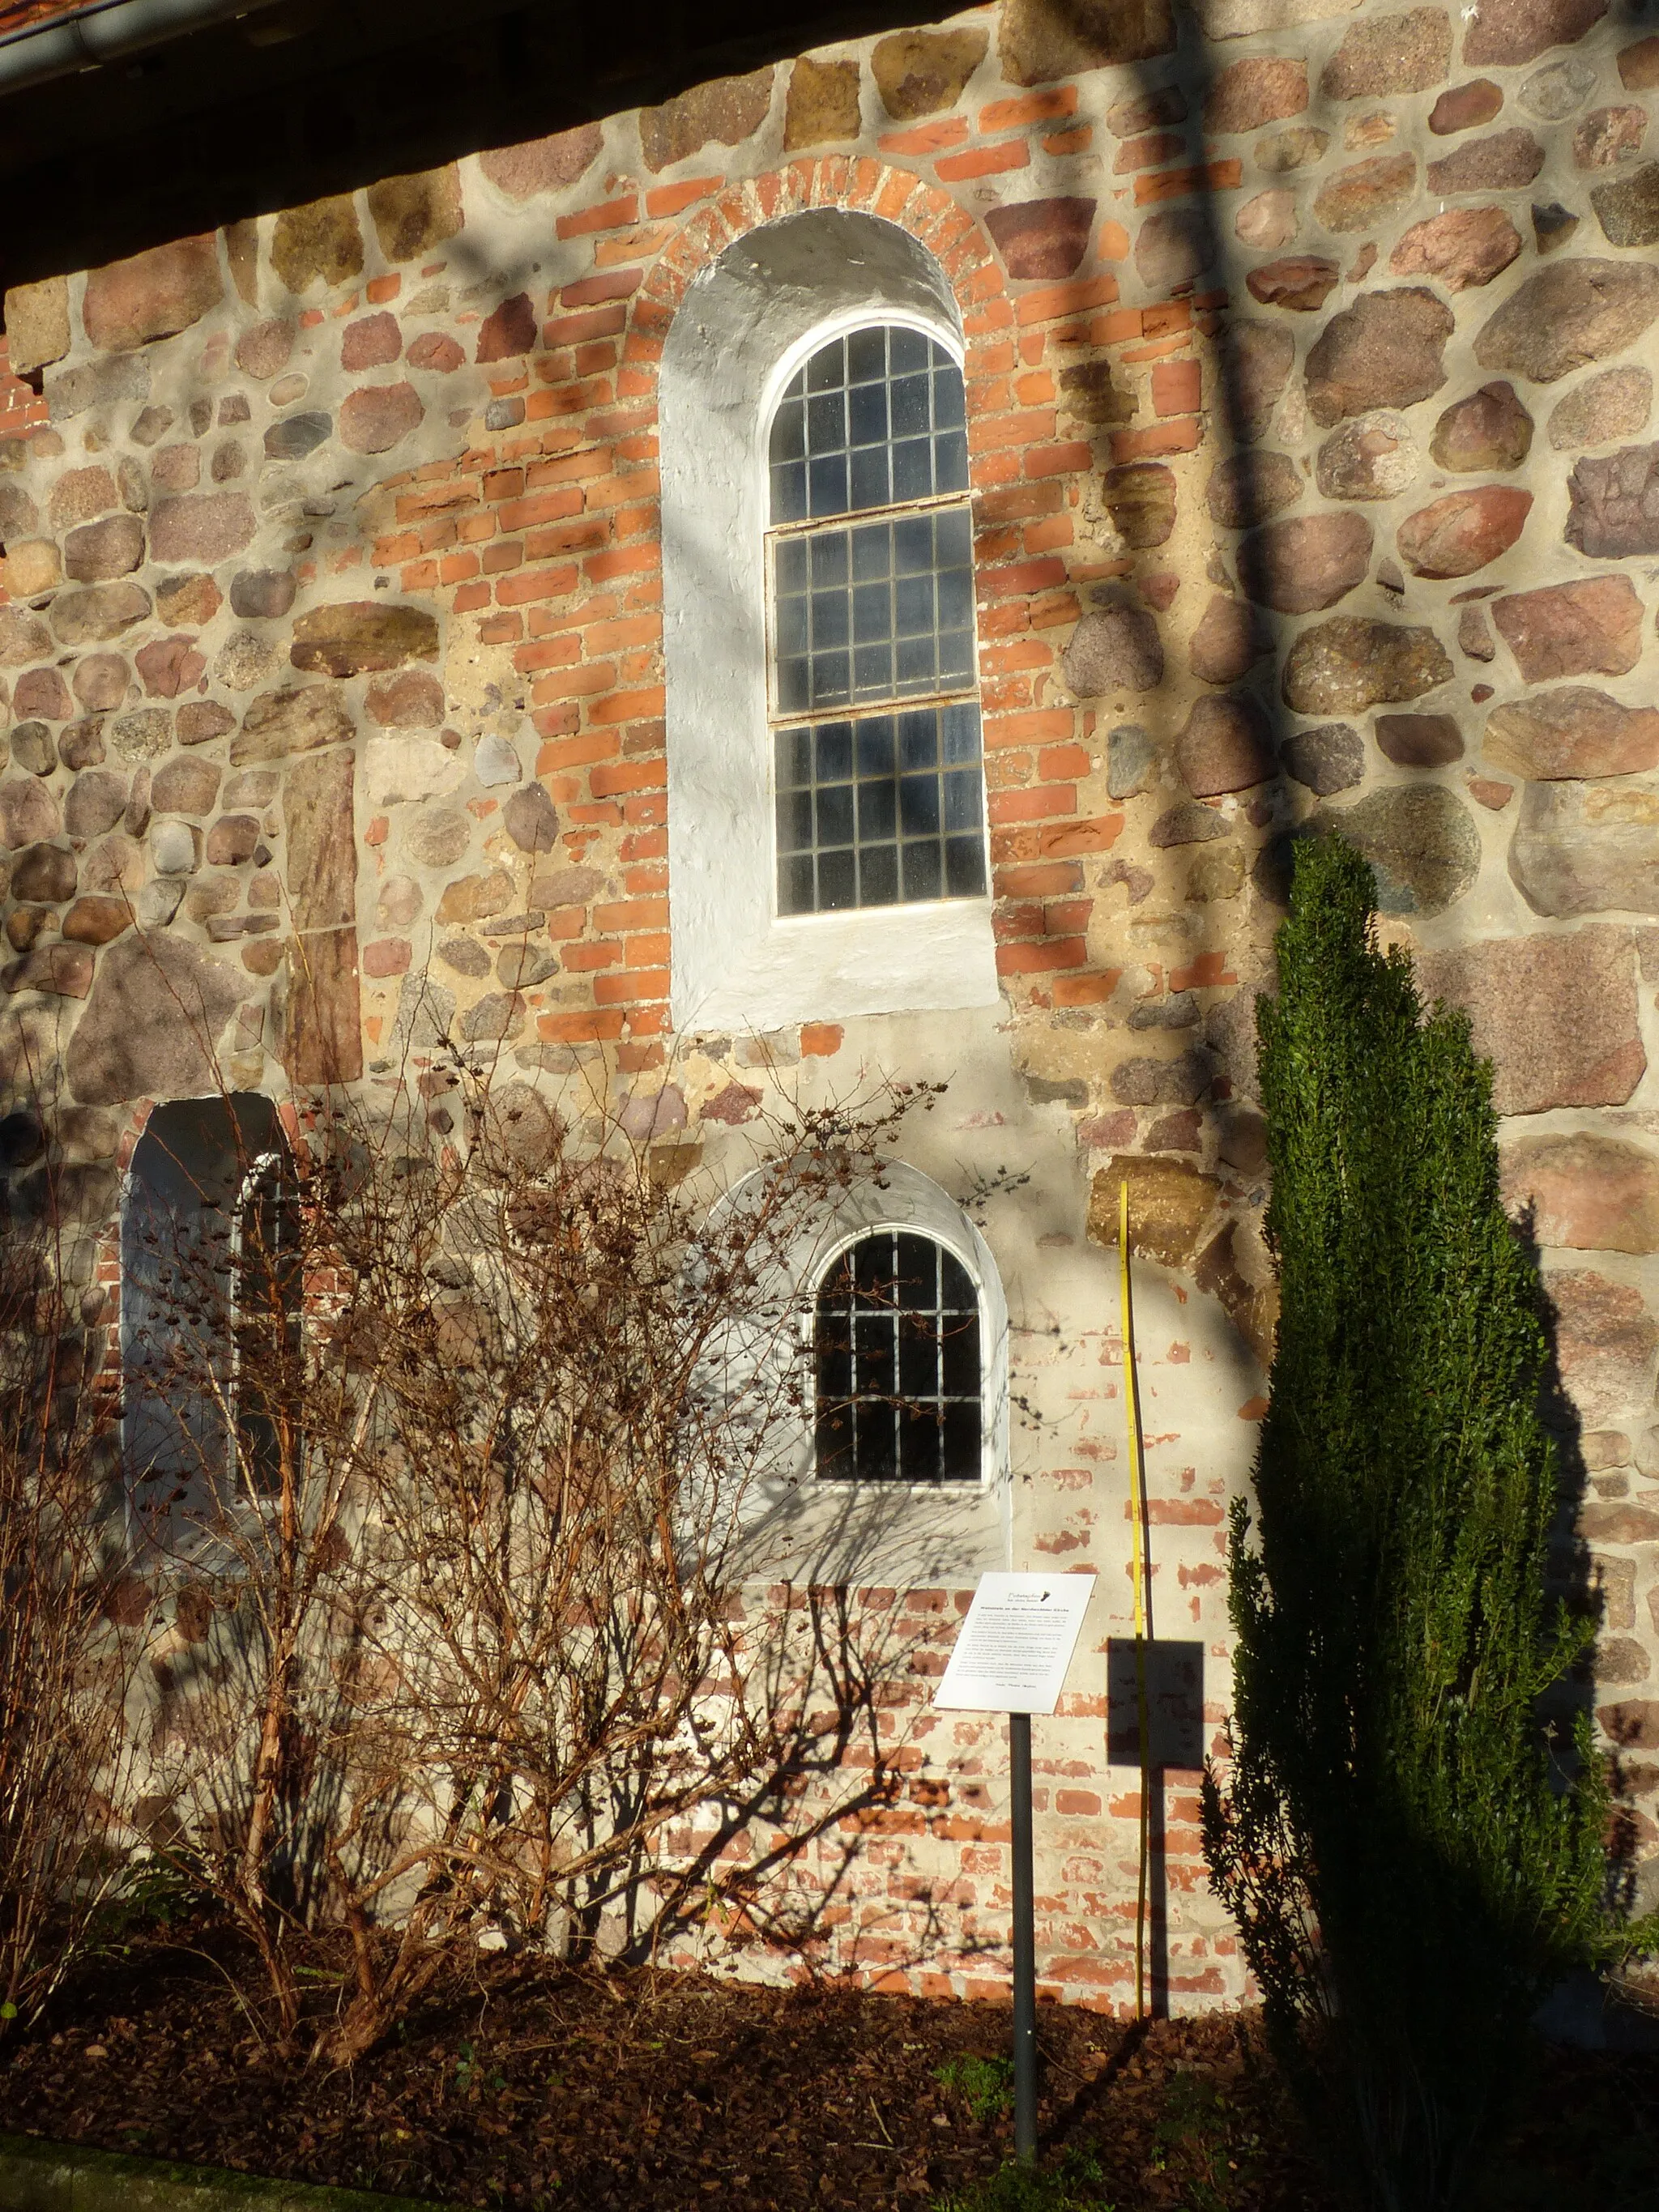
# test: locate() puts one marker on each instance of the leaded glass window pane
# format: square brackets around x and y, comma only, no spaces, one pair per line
[874,806]
[897,1340]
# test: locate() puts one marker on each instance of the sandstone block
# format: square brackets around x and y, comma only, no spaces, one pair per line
[1556,1015]
[1615,403]
[378,417]
[370,342]
[1304,562]
[1628,211]
[80,494]
[1587,848]
[822,106]
[1575,732]
[920,73]
[156,1010]
[1509,32]
[1174,1210]
[438,836]
[1246,94]
[1368,456]
[543,164]
[201,720]
[362,638]
[1229,641]
[318,822]
[1345,664]
[1461,532]
[1615,504]
[324,1043]
[475,898]
[152,295]
[1300,281]
[1040,41]
[1464,106]
[1384,352]
[1419,740]
[1257,359]
[167,665]
[193,601]
[1113,649]
[1501,163]
[1179,1082]
[19,515]
[32,568]
[1587,1194]
[1086,389]
[1463,249]
[318,240]
[1553,225]
[205,527]
[81,745]
[98,552]
[104,383]
[1607,1342]
[1358,196]
[413,215]
[728,109]
[1490,429]
[1407,52]
[1174,248]
[1223,745]
[1042,239]
[1140,498]
[37,320]
[1328,759]
[1570,314]
[1587,628]
[288,721]
[99,613]
[1282,151]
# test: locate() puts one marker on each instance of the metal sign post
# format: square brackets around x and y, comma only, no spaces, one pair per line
[1011,1656]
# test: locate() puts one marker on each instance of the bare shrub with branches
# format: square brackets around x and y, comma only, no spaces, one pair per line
[67,1641]
[470,1524]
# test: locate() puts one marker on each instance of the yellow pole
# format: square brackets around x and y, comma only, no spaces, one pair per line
[1137,1517]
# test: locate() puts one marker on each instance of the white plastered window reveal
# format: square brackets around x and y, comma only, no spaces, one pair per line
[913,1533]
[747,325]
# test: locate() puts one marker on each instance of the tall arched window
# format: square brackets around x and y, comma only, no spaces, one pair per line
[879,786]
[897,1345]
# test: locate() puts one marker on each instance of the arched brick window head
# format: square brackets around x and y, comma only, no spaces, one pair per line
[879,786]
[897,1345]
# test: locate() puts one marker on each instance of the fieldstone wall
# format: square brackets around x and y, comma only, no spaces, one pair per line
[1310,356]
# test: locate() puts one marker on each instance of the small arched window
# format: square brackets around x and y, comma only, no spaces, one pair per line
[209,1306]
[880,797]
[897,1342]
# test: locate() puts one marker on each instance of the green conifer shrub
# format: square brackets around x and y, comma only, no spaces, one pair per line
[1411,1861]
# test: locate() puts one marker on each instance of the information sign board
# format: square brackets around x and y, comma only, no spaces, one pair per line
[1013,1649]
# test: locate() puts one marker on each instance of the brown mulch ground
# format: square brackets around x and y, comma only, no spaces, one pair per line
[541,2087]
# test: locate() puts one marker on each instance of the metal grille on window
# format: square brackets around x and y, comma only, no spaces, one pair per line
[879,778]
[897,1355]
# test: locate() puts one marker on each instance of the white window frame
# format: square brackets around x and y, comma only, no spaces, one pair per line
[918,1534]
[744,329]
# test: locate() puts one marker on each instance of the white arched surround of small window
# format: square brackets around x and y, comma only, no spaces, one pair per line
[748,325]
[805,1522]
